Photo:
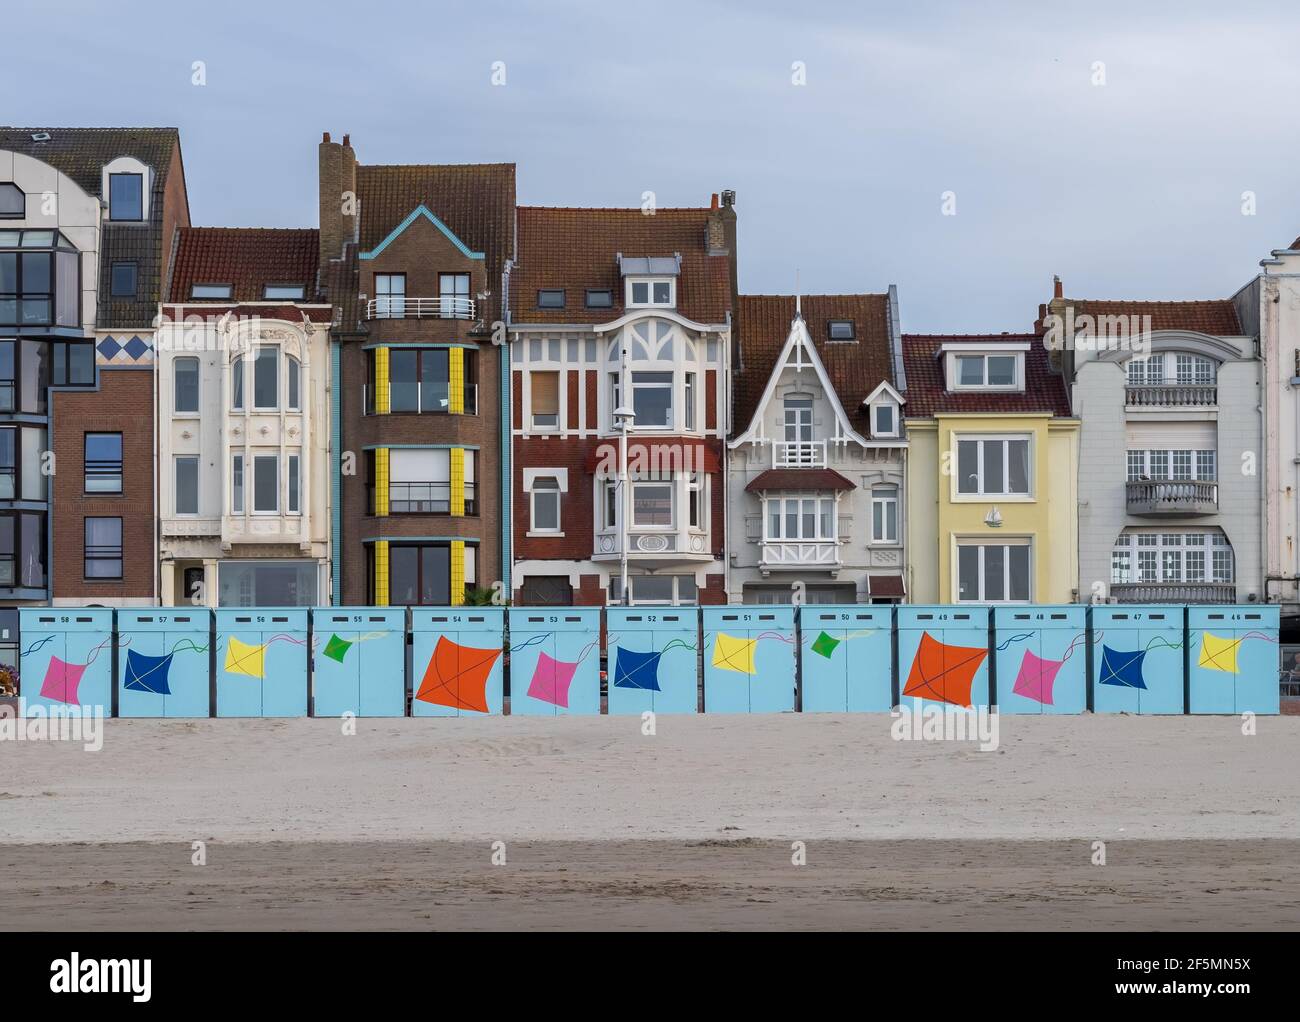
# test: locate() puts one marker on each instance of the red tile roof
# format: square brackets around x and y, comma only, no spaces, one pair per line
[798,479]
[886,585]
[248,258]
[926,388]
[576,249]
[855,368]
[1217,317]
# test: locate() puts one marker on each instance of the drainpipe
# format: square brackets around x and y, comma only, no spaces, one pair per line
[507,439]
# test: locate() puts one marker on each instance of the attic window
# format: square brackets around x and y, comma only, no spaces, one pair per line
[13,203]
[599,299]
[550,298]
[840,329]
[652,293]
[126,196]
[291,292]
[211,291]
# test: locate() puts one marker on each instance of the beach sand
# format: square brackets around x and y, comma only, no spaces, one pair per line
[603,826]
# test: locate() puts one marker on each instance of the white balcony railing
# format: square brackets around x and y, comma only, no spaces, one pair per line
[1173,395]
[652,544]
[444,307]
[799,454]
[798,553]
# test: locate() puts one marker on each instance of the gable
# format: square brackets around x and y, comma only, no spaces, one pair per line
[422,213]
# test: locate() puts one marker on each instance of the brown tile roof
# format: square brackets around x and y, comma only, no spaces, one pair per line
[575,249]
[81,153]
[798,479]
[1217,317]
[926,394]
[762,326]
[475,200]
[248,258]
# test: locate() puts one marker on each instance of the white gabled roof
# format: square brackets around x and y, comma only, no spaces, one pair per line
[889,391]
[799,354]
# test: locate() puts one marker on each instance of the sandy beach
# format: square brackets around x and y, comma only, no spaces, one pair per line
[393,827]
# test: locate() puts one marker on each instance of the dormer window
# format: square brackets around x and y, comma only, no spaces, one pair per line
[211,291]
[884,420]
[285,292]
[550,298]
[840,330]
[126,197]
[652,294]
[13,203]
[599,299]
[998,367]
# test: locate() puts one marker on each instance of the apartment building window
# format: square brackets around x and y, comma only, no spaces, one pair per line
[991,466]
[103,548]
[13,203]
[544,398]
[651,293]
[453,295]
[212,292]
[284,292]
[22,460]
[656,590]
[103,462]
[419,480]
[839,330]
[1179,465]
[1172,557]
[390,295]
[652,399]
[187,484]
[798,420]
[266,484]
[993,572]
[72,364]
[1194,369]
[293,382]
[690,401]
[419,380]
[808,518]
[40,279]
[237,484]
[237,385]
[126,196]
[22,549]
[1182,368]
[652,504]
[545,499]
[124,280]
[185,376]
[599,298]
[987,372]
[419,574]
[884,514]
[695,501]
[293,497]
[550,298]
[266,379]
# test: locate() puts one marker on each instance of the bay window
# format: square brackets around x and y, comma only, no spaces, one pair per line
[800,518]
[990,466]
[266,379]
[652,399]
[266,484]
[22,549]
[40,279]
[22,450]
[419,480]
[652,503]
[993,572]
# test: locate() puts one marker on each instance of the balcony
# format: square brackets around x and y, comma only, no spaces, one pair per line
[800,553]
[1161,497]
[656,545]
[397,307]
[1172,395]
[799,454]
[424,398]
[424,498]
[1174,592]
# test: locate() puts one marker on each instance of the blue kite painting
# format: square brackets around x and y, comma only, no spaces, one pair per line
[146,673]
[1122,668]
[633,669]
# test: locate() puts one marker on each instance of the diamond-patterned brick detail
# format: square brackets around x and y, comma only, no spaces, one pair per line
[136,348]
[109,348]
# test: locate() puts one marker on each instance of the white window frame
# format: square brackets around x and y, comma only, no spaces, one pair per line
[536,490]
[670,386]
[275,460]
[198,385]
[1163,460]
[279,377]
[630,288]
[796,423]
[981,544]
[982,495]
[671,485]
[954,371]
[822,500]
[883,497]
[533,424]
[893,415]
[1150,554]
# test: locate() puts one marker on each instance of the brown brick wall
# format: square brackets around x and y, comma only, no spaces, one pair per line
[122,404]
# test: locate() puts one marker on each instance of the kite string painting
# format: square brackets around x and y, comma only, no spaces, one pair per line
[1036,678]
[147,673]
[337,647]
[553,678]
[63,679]
[1123,668]
[640,670]
[825,644]
[249,659]
[732,653]
[1220,654]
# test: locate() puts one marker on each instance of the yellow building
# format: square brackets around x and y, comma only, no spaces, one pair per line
[992,474]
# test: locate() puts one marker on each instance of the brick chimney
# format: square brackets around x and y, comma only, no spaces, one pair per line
[720,235]
[338,198]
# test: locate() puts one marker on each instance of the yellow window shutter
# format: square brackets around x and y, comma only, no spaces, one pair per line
[458,480]
[382,404]
[381,573]
[456,381]
[457,572]
[381,481]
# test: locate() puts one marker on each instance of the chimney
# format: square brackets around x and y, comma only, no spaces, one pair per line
[338,198]
[1057,289]
[720,235]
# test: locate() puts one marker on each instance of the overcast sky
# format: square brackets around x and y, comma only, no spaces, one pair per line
[1128,189]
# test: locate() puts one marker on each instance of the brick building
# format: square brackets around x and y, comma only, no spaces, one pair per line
[617,309]
[413,258]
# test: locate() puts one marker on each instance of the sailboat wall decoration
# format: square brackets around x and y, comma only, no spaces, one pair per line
[554,660]
[1041,655]
[66,658]
[163,663]
[1233,659]
[359,661]
[652,659]
[457,663]
[749,659]
[846,658]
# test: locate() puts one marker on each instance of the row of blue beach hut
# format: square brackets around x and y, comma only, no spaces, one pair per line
[465,661]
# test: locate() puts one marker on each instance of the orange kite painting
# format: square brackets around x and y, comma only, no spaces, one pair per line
[457,676]
[943,673]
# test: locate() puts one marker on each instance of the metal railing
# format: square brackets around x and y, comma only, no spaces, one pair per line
[1174,592]
[400,307]
[425,498]
[427,399]
[1173,395]
[1172,496]
[799,454]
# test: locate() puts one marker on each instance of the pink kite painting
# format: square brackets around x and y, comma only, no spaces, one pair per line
[457,676]
[1036,678]
[62,681]
[943,673]
[551,680]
